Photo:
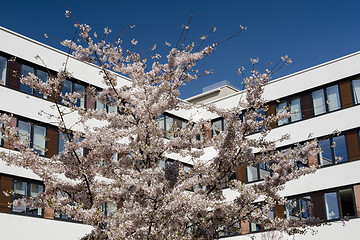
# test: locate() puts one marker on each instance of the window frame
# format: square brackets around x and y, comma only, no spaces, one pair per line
[259,227]
[300,206]
[72,90]
[326,99]
[355,98]
[339,208]
[332,152]
[258,172]
[222,123]
[288,105]
[28,182]
[31,135]
[5,69]
[165,115]
[105,106]
[35,72]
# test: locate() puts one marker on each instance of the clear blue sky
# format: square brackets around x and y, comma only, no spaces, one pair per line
[310,32]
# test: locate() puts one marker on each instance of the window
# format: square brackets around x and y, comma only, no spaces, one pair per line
[326,100]
[166,121]
[43,76]
[333,150]
[356,90]
[62,138]
[339,204]
[61,142]
[108,208]
[225,181]
[72,87]
[299,208]
[24,189]
[109,107]
[256,173]
[256,227]
[3,68]
[227,231]
[217,126]
[281,108]
[35,134]
[319,102]
[295,110]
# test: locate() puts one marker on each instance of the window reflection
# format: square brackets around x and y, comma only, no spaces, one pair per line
[333,150]
[3,70]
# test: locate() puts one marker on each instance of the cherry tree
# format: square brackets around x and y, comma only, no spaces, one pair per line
[124,185]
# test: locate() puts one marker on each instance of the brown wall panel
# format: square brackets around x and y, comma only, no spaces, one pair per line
[14,73]
[357,199]
[271,111]
[345,94]
[279,211]
[6,184]
[241,174]
[317,199]
[52,141]
[245,227]
[313,160]
[90,103]
[352,140]
[306,105]
[48,213]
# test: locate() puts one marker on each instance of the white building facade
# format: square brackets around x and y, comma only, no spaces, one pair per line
[322,99]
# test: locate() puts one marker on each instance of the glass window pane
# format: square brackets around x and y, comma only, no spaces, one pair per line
[79,150]
[333,98]
[295,109]
[282,108]
[61,142]
[67,88]
[43,76]
[306,207]
[264,170]
[252,173]
[111,208]
[254,227]
[24,72]
[331,206]
[20,187]
[169,121]
[325,154]
[339,148]
[112,109]
[24,130]
[347,202]
[319,102]
[20,190]
[39,139]
[35,189]
[99,106]
[80,88]
[292,209]
[3,68]
[161,121]
[217,127]
[356,90]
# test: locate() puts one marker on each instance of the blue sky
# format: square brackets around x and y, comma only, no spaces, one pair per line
[310,32]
